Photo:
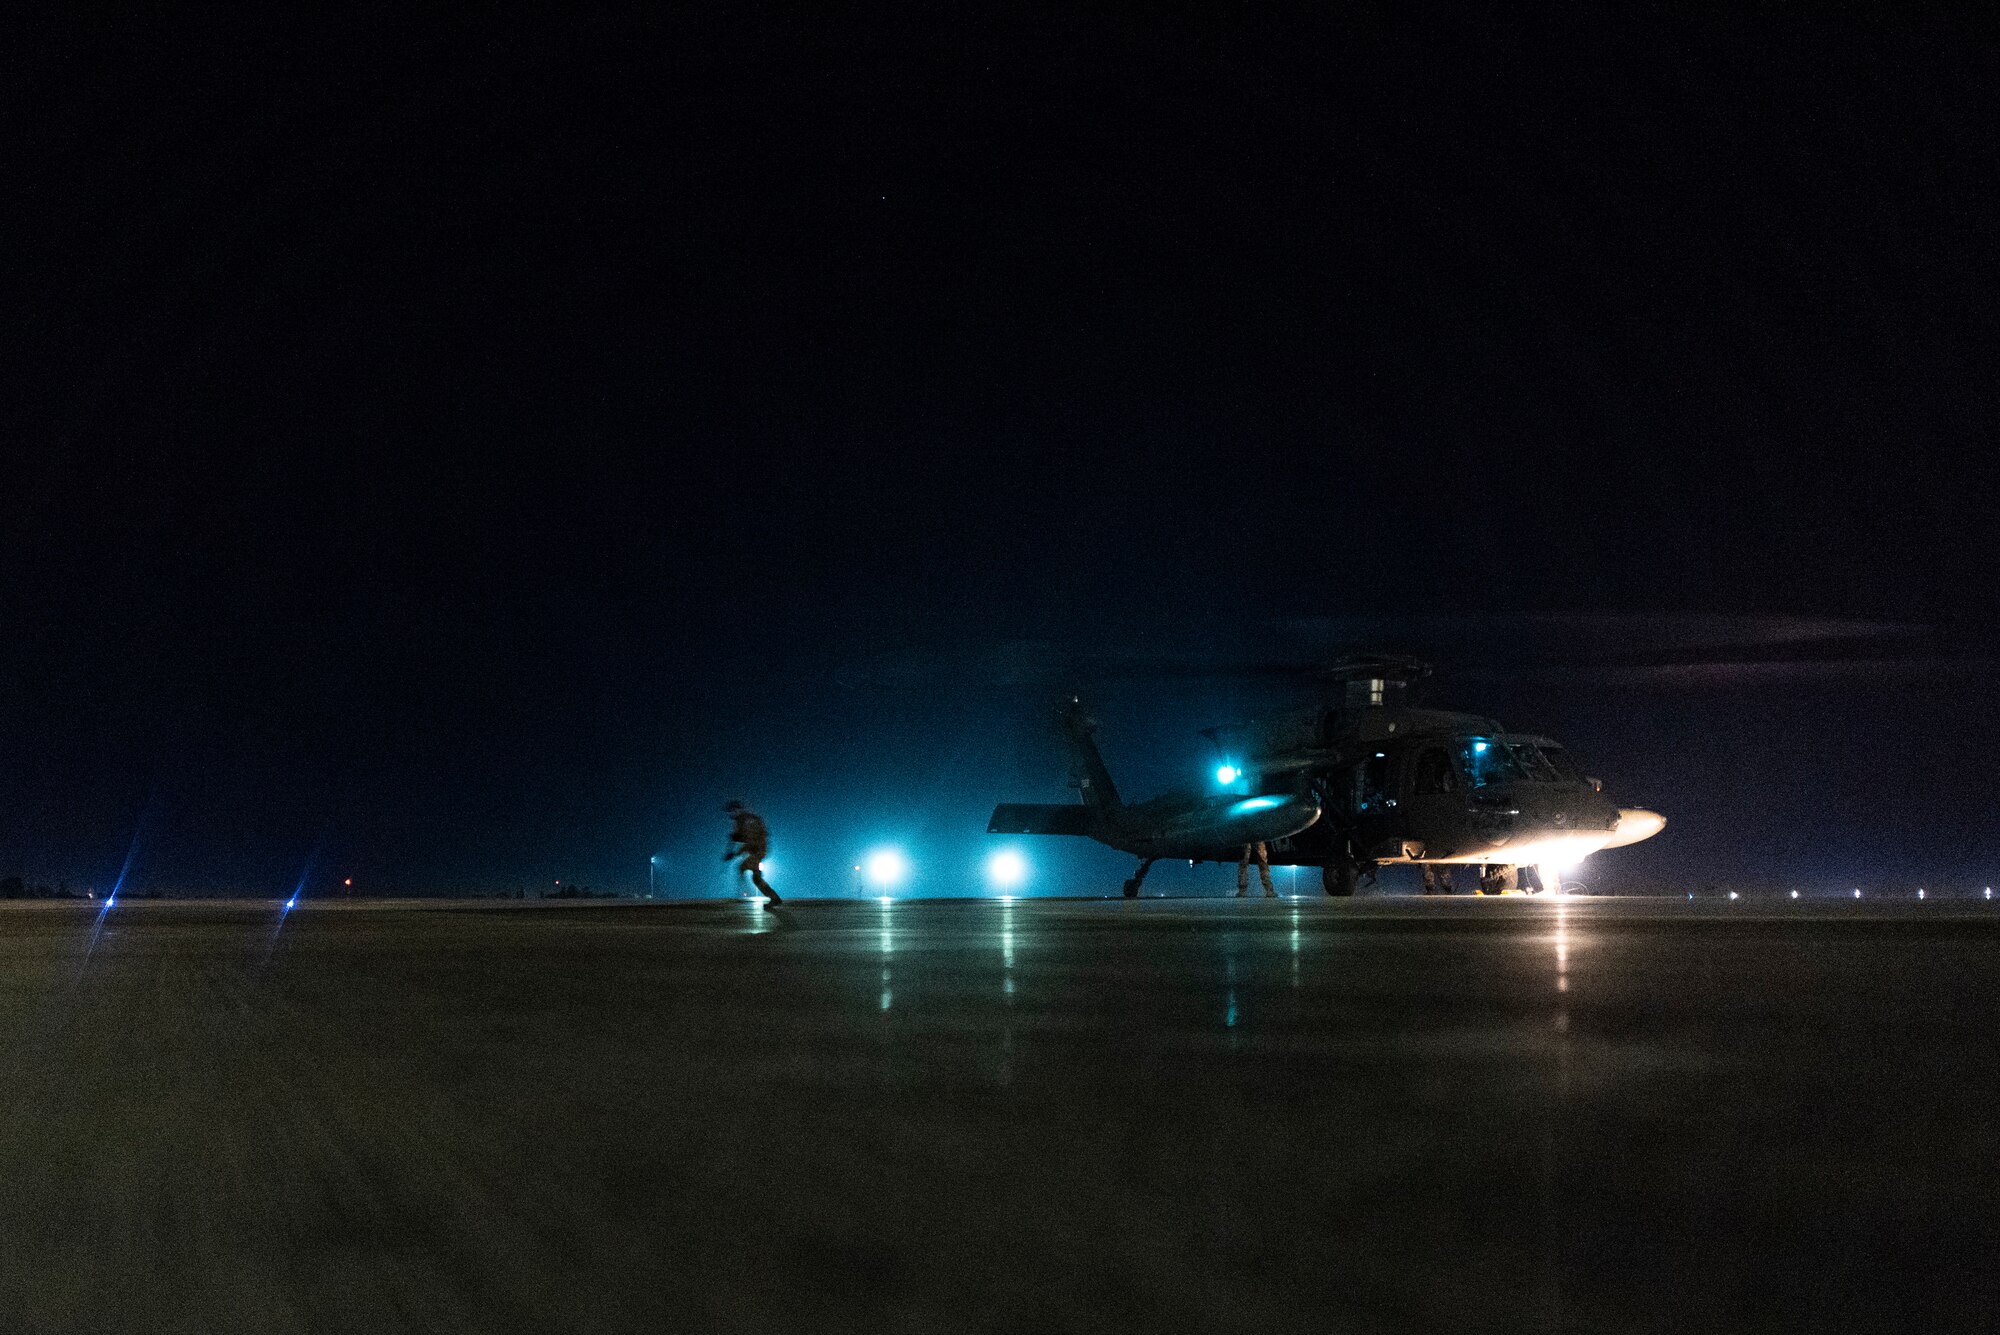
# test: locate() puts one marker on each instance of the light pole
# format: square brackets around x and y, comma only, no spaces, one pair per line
[652,865]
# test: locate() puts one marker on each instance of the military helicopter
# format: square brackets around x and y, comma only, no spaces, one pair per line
[1350,784]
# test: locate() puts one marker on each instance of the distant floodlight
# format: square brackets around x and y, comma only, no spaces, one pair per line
[1857,893]
[1989,892]
[1732,894]
[1920,892]
[887,867]
[1795,894]
[1226,774]
[1006,869]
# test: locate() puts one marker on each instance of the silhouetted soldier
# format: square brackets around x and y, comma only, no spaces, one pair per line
[1263,870]
[749,841]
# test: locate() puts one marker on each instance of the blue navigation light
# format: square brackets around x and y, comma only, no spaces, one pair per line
[1255,804]
[1479,746]
[1226,774]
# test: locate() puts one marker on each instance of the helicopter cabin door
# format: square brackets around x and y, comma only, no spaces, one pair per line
[1433,800]
[1374,804]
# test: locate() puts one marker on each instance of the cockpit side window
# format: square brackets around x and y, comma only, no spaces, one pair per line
[1434,773]
[1532,762]
[1485,760]
[1559,760]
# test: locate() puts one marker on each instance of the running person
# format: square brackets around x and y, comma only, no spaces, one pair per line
[749,842]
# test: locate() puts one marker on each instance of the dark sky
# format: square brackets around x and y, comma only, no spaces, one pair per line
[466,454]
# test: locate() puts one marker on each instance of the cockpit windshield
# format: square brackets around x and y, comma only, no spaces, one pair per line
[1485,760]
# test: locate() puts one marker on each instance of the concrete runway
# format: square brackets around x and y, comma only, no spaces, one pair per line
[1446,1114]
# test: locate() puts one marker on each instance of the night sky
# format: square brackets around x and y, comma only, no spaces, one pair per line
[461,457]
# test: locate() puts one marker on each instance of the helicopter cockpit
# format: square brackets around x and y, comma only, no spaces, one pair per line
[1489,760]
[1473,795]
[1447,766]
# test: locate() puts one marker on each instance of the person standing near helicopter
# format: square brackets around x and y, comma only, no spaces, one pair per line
[749,843]
[1263,870]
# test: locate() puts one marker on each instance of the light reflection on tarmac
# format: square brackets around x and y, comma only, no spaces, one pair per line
[1166,1115]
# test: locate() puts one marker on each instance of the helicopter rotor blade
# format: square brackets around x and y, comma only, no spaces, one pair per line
[1665,650]
[1625,650]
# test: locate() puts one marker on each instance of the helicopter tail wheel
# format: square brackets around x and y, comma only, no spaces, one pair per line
[1338,877]
[1132,888]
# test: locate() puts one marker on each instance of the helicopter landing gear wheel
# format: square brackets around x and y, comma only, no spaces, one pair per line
[1338,877]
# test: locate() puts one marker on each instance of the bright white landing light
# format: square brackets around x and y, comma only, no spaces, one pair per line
[886,867]
[1006,869]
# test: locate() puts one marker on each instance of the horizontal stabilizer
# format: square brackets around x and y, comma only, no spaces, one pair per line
[1039,818]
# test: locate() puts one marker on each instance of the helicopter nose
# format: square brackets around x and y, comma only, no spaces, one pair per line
[1634,824]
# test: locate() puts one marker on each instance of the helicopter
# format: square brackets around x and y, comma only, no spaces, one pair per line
[1352,784]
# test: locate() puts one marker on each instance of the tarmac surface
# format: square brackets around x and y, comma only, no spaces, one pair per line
[1445,1114]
